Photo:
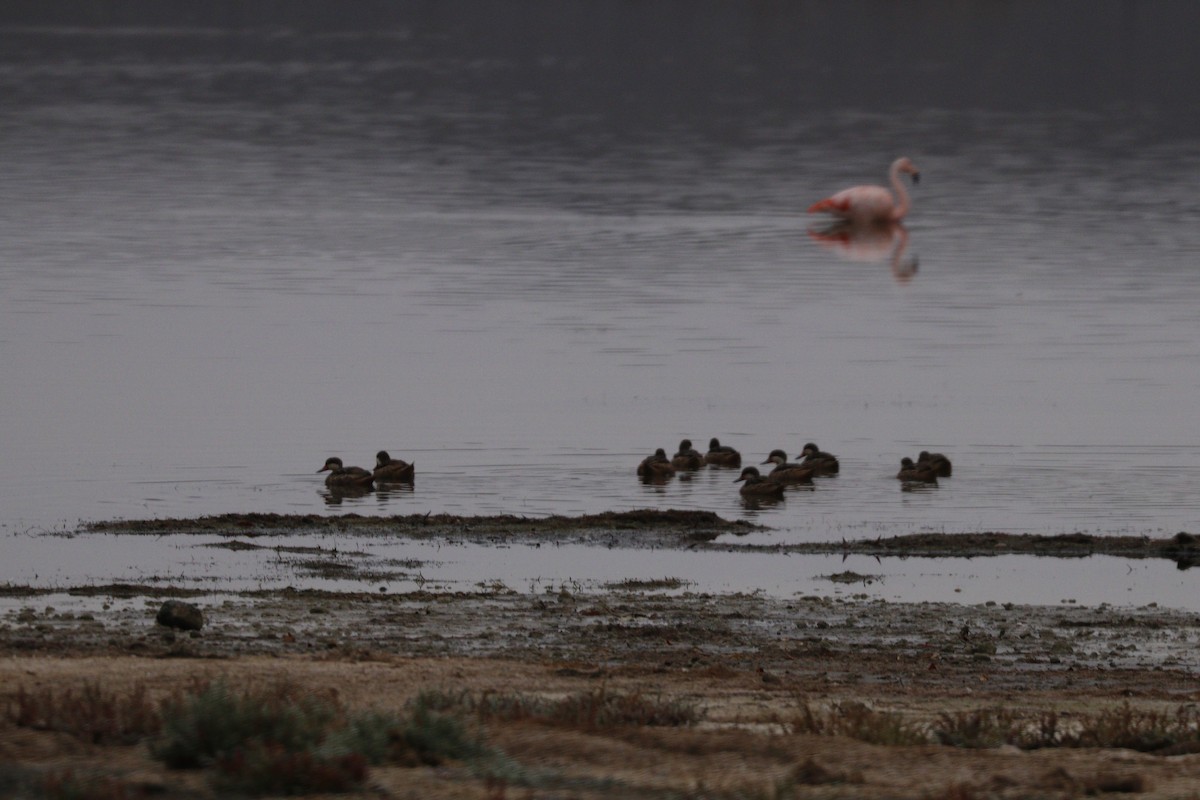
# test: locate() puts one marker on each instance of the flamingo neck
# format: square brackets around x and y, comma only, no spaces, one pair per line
[902,201]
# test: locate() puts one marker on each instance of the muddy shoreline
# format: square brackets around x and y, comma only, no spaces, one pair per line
[752,665]
[1024,643]
[692,530]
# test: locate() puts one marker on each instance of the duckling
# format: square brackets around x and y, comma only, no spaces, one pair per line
[787,472]
[915,473]
[345,477]
[656,467]
[720,455]
[822,463]
[937,462]
[688,457]
[392,470]
[756,485]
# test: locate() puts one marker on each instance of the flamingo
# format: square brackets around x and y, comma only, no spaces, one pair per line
[872,204]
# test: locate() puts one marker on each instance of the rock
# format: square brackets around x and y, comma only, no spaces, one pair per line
[178,614]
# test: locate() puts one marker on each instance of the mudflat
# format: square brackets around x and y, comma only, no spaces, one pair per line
[797,697]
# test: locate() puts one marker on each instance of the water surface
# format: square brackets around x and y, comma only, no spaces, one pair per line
[227,255]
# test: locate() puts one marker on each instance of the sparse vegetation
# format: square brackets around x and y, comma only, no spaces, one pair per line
[592,710]
[1125,727]
[282,741]
[214,721]
[91,714]
[434,738]
[1122,727]
[279,739]
[859,721]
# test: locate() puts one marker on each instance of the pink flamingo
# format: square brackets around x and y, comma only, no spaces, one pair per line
[871,204]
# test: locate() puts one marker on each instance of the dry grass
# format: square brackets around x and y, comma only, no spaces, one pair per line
[287,739]
[593,710]
[858,721]
[1125,727]
[91,714]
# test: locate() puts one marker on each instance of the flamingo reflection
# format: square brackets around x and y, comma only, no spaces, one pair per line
[870,243]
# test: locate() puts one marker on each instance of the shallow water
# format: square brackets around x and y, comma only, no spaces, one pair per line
[226,257]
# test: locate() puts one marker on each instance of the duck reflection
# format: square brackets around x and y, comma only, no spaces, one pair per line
[388,491]
[335,495]
[871,243]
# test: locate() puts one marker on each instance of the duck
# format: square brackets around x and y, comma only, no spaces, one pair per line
[720,455]
[938,462]
[915,473]
[688,457]
[822,463]
[346,477]
[787,472]
[755,485]
[656,467]
[392,470]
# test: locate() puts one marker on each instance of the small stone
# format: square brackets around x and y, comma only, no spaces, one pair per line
[178,614]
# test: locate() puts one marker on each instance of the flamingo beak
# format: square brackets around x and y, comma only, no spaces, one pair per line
[916,177]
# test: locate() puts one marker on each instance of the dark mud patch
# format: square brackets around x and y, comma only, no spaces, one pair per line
[694,530]
[122,590]
[237,545]
[1183,548]
[851,577]
[647,527]
[661,584]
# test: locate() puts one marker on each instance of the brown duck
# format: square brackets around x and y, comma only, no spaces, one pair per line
[346,477]
[392,470]
[755,485]
[936,461]
[688,457]
[822,463]
[915,473]
[787,472]
[656,467]
[720,455]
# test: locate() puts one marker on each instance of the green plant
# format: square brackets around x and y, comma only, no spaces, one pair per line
[433,738]
[215,721]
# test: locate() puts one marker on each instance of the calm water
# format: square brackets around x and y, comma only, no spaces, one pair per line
[225,257]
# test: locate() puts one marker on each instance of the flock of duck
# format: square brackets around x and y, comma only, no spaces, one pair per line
[812,462]
[387,470]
